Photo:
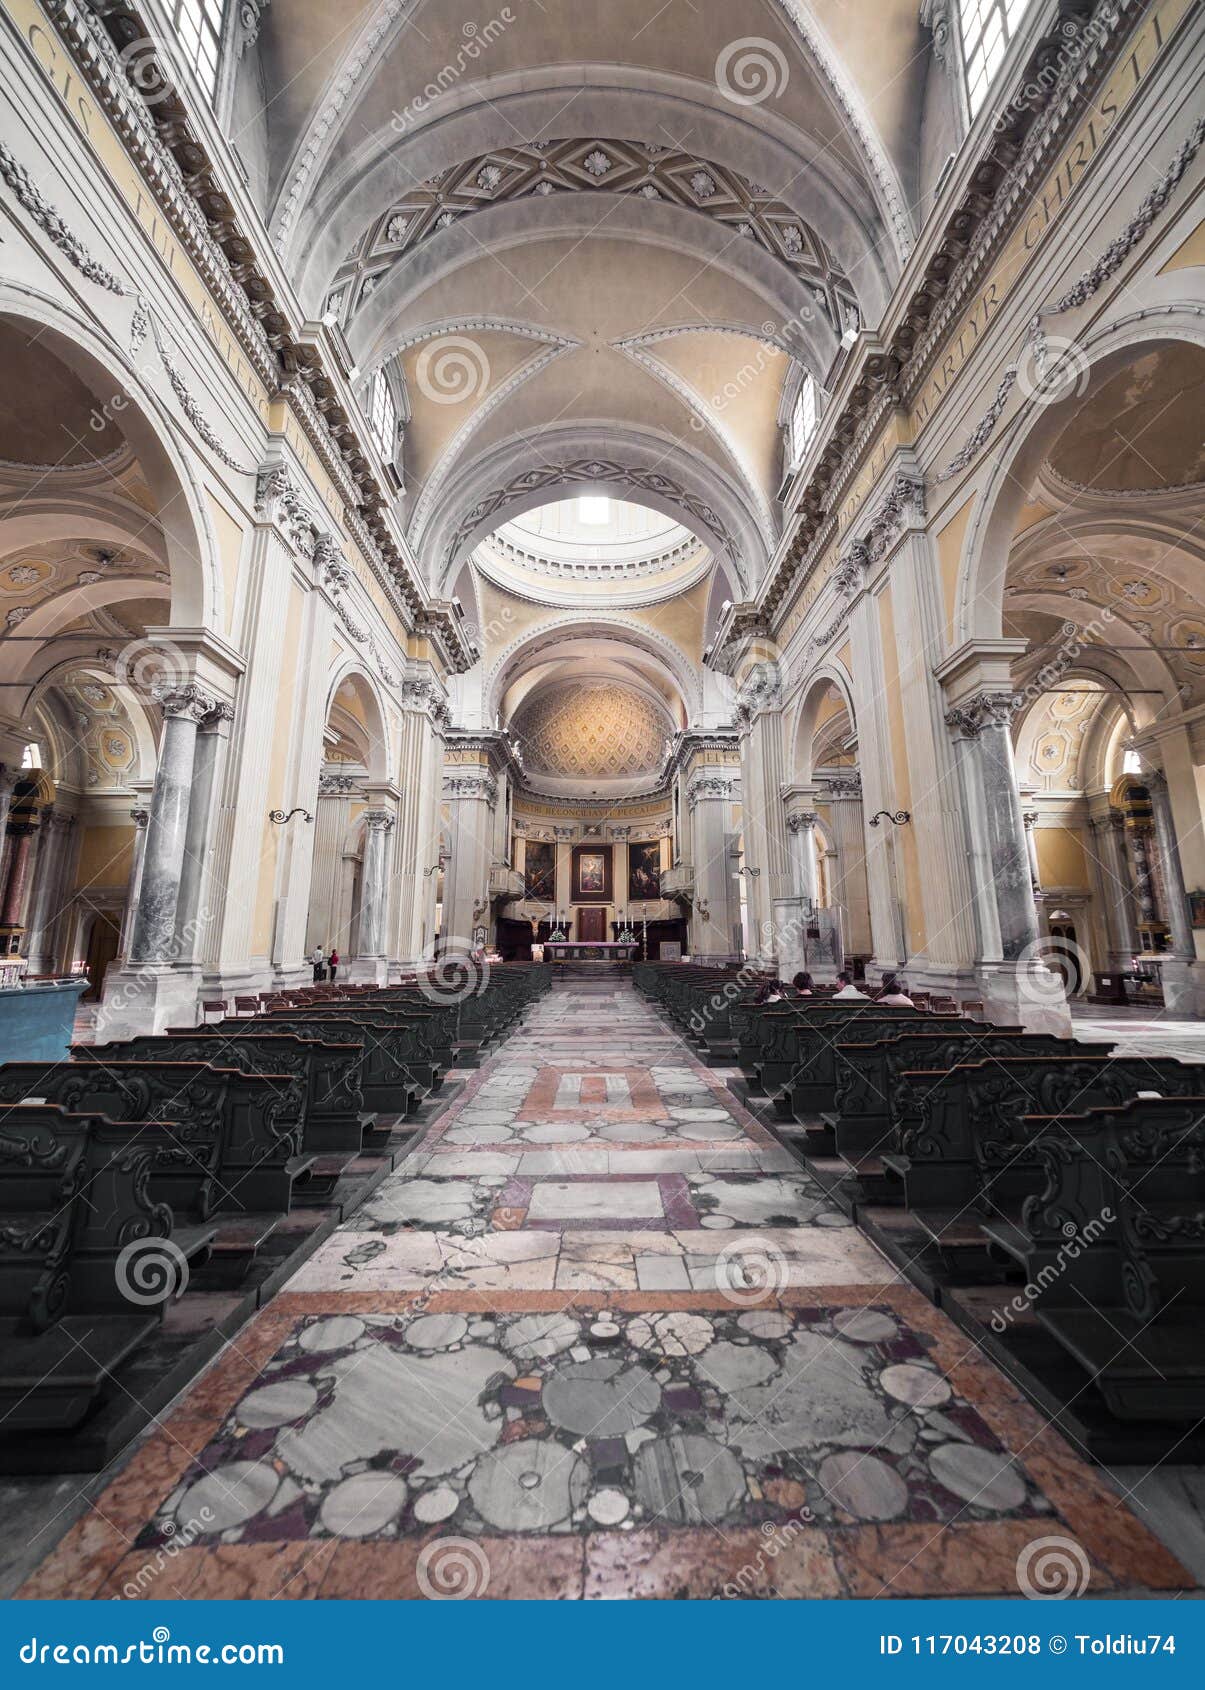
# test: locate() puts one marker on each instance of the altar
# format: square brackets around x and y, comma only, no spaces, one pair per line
[591,950]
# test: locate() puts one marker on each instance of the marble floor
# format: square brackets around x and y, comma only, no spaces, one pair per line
[599,1336]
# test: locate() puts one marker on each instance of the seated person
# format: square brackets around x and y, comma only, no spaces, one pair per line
[770,991]
[893,994]
[804,984]
[847,989]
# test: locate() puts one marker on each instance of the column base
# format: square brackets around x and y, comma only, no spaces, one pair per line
[1025,994]
[1183,988]
[147,998]
[941,980]
[366,971]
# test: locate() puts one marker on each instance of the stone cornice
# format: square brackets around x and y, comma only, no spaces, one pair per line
[188,186]
[951,259]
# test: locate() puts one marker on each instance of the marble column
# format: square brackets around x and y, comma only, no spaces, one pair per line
[22,835]
[983,721]
[163,860]
[1014,980]
[9,776]
[1117,899]
[141,819]
[851,892]
[801,825]
[1169,853]
[766,864]
[1178,973]
[49,893]
[192,914]
[709,799]
[374,884]
[1030,819]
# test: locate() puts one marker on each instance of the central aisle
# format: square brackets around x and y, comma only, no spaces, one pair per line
[598,1336]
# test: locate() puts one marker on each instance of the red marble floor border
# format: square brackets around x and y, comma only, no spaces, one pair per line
[910,1559]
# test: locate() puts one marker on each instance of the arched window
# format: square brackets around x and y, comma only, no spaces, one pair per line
[804,416]
[987,27]
[198,25]
[382,416]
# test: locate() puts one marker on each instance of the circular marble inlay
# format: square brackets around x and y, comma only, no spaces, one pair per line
[863,1485]
[338,1332]
[987,1478]
[919,1387]
[276,1405]
[363,1505]
[534,1337]
[608,1507]
[864,1326]
[764,1323]
[229,1494]
[436,1331]
[687,1479]
[603,1397]
[671,1334]
[434,1505]
[530,1486]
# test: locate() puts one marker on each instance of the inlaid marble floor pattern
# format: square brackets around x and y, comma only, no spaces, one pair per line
[600,1336]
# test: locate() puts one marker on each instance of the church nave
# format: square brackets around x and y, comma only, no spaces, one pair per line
[599,1336]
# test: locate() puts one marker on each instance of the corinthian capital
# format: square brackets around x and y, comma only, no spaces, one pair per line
[983,710]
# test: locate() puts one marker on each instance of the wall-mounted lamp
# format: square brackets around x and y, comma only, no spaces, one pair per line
[703,909]
[896,820]
[435,867]
[753,873]
[282,816]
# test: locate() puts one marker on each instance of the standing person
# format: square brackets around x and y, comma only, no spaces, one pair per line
[333,963]
[318,961]
[847,989]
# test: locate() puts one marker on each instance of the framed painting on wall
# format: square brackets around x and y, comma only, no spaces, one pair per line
[590,881]
[539,871]
[644,871]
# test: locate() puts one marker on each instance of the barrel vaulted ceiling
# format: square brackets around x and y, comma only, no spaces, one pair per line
[595,244]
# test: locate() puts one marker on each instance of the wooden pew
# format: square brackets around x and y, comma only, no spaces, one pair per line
[1113,1249]
[229,1140]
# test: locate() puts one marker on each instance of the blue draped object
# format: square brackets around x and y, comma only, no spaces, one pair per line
[36,1022]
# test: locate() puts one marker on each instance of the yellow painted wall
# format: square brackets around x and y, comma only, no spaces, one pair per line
[1191,252]
[106,856]
[230,550]
[949,555]
[1062,860]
